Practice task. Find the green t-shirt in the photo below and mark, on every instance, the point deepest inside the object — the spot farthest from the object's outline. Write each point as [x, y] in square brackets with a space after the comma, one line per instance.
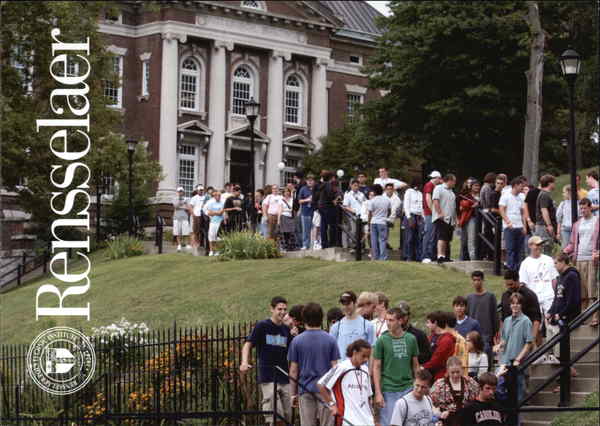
[396, 356]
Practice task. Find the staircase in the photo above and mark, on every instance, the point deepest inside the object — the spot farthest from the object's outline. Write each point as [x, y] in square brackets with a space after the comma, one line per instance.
[581, 386]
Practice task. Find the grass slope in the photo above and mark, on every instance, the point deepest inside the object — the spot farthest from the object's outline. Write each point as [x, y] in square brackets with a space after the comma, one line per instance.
[197, 291]
[583, 418]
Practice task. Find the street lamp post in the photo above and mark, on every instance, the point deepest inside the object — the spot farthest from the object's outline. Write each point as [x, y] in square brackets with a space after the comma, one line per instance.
[131, 143]
[251, 109]
[570, 63]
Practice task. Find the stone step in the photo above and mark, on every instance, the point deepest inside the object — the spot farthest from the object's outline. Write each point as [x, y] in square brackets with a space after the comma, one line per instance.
[549, 399]
[585, 331]
[537, 417]
[578, 384]
[587, 370]
[536, 422]
[579, 343]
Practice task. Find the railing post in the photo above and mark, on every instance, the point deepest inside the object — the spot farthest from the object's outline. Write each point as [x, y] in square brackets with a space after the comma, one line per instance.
[24, 260]
[512, 386]
[19, 271]
[498, 246]
[17, 404]
[274, 397]
[565, 360]
[359, 248]
[214, 396]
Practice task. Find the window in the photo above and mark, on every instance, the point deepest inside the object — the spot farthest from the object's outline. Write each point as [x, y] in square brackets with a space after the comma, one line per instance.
[112, 88]
[242, 89]
[293, 100]
[72, 69]
[108, 185]
[189, 88]
[145, 78]
[356, 59]
[187, 168]
[353, 101]
[252, 4]
[19, 54]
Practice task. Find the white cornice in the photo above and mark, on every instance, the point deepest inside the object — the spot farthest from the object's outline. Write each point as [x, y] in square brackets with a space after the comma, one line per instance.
[145, 56]
[238, 35]
[346, 68]
[121, 51]
[355, 88]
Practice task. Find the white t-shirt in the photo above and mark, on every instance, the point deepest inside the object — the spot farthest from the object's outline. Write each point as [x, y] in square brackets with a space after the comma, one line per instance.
[380, 327]
[379, 207]
[413, 202]
[384, 181]
[514, 206]
[409, 411]
[537, 274]
[354, 200]
[286, 206]
[273, 202]
[197, 203]
[351, 388]
[585, 230]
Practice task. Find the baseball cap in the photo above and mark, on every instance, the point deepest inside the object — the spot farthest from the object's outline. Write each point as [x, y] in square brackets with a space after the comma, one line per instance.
[348, 296]
[199, 187]
[180, 189]
[535, 240]
[435, 174]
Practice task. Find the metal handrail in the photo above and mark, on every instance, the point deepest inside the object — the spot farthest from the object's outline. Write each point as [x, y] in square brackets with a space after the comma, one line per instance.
[496, 245]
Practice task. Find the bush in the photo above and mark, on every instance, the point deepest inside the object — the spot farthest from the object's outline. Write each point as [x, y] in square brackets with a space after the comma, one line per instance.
[247, 245]
[124, 246]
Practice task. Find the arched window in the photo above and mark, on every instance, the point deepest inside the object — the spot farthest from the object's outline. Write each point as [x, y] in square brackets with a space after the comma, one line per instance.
[243, 89]
[293, 100]
[189, 88]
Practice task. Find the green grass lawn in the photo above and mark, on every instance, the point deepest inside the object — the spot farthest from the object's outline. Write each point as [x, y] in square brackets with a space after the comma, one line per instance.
[583, 418]
[196, 291]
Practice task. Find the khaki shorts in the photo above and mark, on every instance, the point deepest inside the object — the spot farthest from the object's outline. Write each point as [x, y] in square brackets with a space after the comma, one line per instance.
[589, 283]
[284, 403]
[311, 410]
[181, 228]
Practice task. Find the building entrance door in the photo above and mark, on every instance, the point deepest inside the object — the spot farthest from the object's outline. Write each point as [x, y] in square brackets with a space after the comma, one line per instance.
[240, 169]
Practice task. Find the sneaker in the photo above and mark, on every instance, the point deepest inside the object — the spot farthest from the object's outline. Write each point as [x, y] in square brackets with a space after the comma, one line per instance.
[211, 253]
[179, 247]
[426, 260]
[188, 247]
[216, 253]
[441, 260]
[541, 360]
[551, 359]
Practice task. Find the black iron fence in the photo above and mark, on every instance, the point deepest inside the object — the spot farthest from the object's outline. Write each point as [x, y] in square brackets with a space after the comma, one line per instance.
[160, 377]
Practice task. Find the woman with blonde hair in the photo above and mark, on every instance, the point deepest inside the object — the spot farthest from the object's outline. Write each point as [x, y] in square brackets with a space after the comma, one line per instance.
[451, 393]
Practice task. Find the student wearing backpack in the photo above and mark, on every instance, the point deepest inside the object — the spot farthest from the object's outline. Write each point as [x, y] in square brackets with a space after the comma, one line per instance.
[353, 326]
[416, 408]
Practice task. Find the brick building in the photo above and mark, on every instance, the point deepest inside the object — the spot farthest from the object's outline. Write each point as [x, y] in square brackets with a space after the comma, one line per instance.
[188, 68]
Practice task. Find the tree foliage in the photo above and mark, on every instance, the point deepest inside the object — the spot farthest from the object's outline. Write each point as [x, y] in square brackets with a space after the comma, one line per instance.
[26, 88]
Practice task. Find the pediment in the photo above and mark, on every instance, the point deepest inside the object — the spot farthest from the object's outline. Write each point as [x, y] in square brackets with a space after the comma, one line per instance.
[194, 126]
[299, 141]
[243, 132]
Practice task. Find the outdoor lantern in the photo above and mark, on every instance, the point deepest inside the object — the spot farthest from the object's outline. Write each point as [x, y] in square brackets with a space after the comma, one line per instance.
[570, 62]
[281, 165]
[340, 173]
[251, 108]
[131, 143]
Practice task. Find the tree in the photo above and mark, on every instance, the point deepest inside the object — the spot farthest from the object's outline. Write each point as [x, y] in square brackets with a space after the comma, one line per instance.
[26, 158]
[535, 77]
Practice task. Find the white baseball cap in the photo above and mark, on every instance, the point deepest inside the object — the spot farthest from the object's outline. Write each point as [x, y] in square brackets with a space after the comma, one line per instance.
[199, 187]
[180, 189]
[435, 174]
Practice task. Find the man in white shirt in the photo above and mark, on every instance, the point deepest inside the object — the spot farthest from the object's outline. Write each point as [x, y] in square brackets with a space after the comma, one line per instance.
[352, 204]
[539, 274]
[414, 222]
[384, 179]
[197, 203]
[396, 203]
[416, 408]
[379, 211]
[513, 219]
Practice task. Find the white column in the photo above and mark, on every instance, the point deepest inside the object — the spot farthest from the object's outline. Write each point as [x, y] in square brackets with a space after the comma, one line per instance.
[319, 102]
[167, 154]
[275, 115]
[216, 114]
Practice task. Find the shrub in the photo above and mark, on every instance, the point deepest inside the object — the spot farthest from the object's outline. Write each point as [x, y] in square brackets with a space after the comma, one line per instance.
[247, 245]
[124, 246]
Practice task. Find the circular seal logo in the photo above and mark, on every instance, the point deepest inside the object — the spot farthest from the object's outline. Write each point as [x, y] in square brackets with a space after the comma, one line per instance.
[61, 360]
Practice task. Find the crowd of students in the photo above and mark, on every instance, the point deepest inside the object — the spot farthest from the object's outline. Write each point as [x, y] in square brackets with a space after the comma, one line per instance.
[374, 367]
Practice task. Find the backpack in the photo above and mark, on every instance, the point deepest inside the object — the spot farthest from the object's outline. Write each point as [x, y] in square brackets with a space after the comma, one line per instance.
[406, 411]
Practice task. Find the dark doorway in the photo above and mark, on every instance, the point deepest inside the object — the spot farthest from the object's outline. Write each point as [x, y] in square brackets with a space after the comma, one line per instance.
[240, 169]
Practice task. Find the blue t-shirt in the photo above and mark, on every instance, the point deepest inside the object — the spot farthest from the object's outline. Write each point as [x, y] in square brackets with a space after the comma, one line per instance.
[468, 325]
[594, 197]
[215, 206]
[348, 331]
[271, 342]
[313, 350]
[306, 209]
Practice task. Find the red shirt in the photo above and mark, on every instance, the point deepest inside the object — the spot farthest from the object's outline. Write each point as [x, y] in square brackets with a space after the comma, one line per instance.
[427, 189]
[444, 349]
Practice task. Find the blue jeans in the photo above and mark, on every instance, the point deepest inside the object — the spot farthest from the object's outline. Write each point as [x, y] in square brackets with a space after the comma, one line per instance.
[306, 222]
[390, 399]
[379, 238]
[514, 247]
[413, 247]
[429, 240]
[565, 236]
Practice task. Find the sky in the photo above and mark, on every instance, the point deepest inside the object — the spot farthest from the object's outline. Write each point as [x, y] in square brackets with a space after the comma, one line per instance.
[381, 6]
